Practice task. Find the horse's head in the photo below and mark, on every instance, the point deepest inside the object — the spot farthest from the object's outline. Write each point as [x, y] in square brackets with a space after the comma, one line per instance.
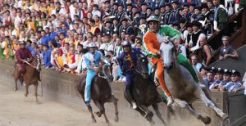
[168, 54]
[106, 69]
[142, 65]
[36, 63]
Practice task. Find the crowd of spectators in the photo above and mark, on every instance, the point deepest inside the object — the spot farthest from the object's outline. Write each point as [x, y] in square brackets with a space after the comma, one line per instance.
[218, 79]
[60, 30]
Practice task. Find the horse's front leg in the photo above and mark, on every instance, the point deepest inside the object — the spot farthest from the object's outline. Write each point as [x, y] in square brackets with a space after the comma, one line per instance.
[101, 108]
[91, 111]
[211, 105]
[36, 92]
[27, 89]
[148, 113]
[158, 113]
[184, 104]
[16, 87]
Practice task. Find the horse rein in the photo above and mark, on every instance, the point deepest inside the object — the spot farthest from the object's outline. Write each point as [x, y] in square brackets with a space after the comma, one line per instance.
[35, 67]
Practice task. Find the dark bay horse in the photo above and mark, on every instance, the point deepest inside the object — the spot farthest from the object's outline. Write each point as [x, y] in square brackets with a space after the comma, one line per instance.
[100, 94]
[144, 91]
[31, 76]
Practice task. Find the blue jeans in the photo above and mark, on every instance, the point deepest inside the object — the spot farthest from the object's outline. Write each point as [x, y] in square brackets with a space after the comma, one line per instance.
[89, 77]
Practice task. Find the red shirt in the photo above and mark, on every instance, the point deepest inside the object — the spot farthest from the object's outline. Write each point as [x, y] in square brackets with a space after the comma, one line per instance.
[22, 54]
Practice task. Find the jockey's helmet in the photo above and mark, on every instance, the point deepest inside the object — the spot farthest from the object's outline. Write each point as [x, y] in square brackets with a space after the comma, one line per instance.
[153, 18]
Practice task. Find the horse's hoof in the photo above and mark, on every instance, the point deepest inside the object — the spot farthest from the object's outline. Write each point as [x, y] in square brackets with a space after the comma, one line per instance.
[149, 116]
[116, 119]
[94, 121]
[206, 120]
[99, 114]
[108, 124]
[224, 116]
[38, 102]
[152, 122]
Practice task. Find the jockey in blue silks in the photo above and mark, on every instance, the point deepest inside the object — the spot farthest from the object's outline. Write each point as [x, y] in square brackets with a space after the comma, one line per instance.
[92, 61]
[127, 61]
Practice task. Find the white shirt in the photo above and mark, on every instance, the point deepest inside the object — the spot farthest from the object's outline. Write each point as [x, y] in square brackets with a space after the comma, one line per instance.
[17, 21]
[96, 13]
[72, 11]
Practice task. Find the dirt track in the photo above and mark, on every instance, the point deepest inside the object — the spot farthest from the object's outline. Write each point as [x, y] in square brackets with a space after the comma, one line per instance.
[16, 110]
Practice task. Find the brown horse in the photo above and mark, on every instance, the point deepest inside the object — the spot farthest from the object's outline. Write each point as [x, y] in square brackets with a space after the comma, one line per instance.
[100, 94]
[30, 77]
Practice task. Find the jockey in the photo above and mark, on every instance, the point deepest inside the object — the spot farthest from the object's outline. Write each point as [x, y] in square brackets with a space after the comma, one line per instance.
[22, 55]
[127, 62]
[152, 40]
[92, 61]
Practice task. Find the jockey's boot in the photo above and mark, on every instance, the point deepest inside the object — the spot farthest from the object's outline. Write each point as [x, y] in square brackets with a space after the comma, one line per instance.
[170, 100]
[134, 105]
[129, 95]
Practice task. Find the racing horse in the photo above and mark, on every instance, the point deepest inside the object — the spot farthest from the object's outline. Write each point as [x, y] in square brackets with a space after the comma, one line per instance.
[31, 76]
[182, 86]
[144, 91]
[100, 93]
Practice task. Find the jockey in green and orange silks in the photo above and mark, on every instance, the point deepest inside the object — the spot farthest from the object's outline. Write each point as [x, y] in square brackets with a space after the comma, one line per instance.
[152, 40]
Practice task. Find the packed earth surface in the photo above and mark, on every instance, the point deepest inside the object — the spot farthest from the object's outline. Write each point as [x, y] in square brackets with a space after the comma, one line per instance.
[17, 110]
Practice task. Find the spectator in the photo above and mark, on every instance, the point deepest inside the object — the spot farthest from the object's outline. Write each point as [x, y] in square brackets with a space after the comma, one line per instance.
[209, 79]
[194, 62]
[226, 51]
[217, 79]
[174, 16]
[226, 78]
[220, 16]
[196, 36]
[235, 84]
[47, 56]
[180, 47]
[205, 51]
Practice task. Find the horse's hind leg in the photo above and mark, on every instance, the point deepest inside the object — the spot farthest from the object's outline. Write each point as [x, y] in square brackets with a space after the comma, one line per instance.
[36, 92]
[16, 87]
[184, 104]
[148, 113]
[211, 105]
[92, 115]
[27, 91]
[156, 109]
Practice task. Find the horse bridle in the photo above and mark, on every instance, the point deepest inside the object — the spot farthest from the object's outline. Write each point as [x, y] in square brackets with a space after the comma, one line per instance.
[35, 67]
[136, 70]
[173, 64]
